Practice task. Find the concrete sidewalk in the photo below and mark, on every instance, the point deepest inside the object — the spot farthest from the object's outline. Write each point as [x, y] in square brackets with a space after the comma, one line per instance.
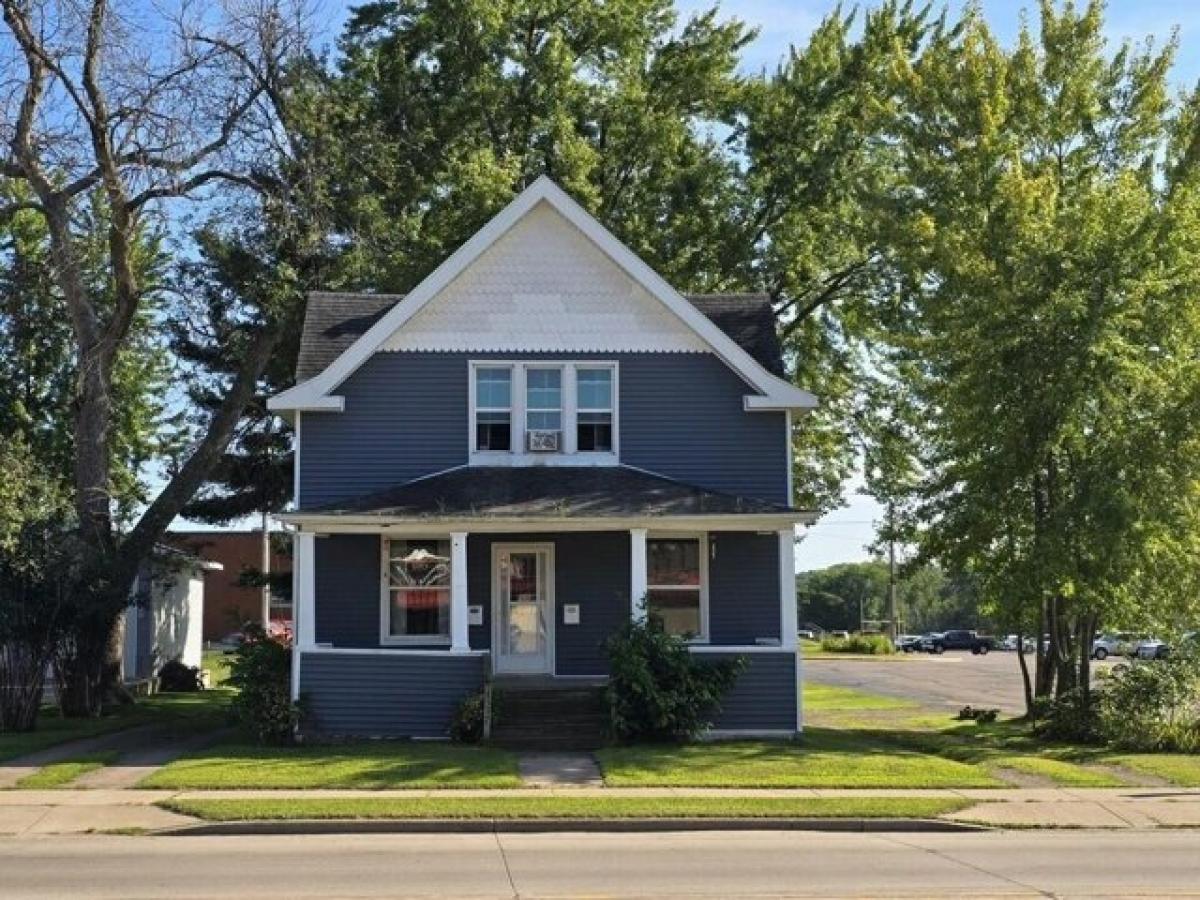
[67, 811]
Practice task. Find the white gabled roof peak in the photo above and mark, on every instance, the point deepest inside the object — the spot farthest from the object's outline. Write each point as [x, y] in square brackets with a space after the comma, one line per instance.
[317, 392]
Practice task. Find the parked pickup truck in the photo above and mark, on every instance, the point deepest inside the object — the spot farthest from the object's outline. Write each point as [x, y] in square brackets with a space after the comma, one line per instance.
[959, 640]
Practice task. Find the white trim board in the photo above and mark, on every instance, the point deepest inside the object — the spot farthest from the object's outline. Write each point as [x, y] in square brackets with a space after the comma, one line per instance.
[774, 393]
[360, 523]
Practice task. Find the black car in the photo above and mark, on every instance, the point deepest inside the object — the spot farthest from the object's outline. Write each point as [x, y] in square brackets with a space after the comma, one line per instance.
[959, 639]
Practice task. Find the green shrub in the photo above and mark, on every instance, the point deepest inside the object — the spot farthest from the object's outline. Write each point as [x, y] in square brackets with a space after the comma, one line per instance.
[1073, 716]
[262, 673]
[657, 690]
[866, 644]
[466, 726]
[1153, 705]
[176, 678]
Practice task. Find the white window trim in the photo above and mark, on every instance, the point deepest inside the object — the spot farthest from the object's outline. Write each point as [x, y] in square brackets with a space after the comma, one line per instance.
[568, 455]
[703, 637]
[386, 638]
[476, 409]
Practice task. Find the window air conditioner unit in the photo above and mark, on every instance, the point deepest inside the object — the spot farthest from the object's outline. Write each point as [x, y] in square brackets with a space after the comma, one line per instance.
[540, 441]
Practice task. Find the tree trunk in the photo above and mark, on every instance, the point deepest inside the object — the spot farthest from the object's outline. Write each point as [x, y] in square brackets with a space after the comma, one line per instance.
[1026, 683]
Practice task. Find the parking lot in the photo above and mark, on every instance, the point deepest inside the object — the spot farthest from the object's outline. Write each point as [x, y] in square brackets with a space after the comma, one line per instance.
[949, 681]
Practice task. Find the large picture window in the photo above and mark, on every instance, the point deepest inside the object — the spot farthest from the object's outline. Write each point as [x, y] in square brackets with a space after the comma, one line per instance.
[418, 591]
[493, 408]
[675, 584]
[594, 415]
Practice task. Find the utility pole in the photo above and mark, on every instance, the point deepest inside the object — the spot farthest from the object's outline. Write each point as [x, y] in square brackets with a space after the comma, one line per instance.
[893, 625]
[266, 572]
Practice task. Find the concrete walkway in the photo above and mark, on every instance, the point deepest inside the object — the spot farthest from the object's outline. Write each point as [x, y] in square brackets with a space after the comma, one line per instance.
[121, 742]
[550, 770]
[74, 811]
[130, 768]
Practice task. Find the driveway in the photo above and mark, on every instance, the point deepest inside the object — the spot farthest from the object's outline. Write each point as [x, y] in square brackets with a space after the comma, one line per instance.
[950, 681]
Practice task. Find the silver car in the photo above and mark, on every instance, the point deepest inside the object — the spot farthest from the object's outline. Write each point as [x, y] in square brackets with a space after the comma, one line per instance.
[1119, 643]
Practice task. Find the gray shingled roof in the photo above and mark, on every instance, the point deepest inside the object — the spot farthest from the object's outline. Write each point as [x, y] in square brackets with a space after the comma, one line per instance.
[333, 322]
[531, 492]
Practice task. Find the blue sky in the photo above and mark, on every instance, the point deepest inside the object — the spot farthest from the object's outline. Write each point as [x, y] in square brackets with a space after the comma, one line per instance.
[843, 535]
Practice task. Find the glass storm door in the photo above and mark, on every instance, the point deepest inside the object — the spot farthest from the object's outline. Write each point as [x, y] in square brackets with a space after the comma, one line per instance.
[523, 579]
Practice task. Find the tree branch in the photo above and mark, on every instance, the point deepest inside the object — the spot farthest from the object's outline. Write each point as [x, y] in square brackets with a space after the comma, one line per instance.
[183, 486]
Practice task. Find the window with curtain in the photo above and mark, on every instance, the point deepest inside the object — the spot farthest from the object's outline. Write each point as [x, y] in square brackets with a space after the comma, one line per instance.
[418, 590]
[674, 591]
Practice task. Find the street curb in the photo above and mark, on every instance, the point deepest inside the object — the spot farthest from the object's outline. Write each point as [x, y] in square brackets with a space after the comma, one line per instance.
[543, 826]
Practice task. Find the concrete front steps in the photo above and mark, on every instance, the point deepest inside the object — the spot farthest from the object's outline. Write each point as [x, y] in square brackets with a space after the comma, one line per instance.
[533, 716]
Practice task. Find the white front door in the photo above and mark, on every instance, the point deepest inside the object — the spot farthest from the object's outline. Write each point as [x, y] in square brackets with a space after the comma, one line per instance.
[523, 608]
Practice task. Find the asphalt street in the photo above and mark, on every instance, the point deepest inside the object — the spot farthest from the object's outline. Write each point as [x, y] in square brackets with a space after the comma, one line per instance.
[708, 864]
[951, 680]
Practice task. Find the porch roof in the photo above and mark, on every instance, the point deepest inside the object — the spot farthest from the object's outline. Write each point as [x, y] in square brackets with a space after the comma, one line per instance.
[547, 492]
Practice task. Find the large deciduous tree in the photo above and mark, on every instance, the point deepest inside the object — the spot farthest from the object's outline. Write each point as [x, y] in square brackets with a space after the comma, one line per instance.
[722, 181]
[1048, 231]
[141, 108]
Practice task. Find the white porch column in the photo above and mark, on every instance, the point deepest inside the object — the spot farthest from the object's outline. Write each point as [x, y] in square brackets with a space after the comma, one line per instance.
[459, 640]
[788, 626]
[304, 605]
[637, 573]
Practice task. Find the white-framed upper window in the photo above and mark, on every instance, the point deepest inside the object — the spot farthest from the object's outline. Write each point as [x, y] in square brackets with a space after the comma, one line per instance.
[416, 591]
[677, 583]
[493, 408]
[543, 407]
[594, 409]
[548, 412]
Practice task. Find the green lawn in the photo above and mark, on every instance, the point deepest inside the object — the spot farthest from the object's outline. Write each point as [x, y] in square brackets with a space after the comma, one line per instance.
[218, 663]
[827, 697]
[822, 758]
[61, 774]
[182, 712]
[1059, 771]
[1182, 769]
[558, 807]
[372, 765]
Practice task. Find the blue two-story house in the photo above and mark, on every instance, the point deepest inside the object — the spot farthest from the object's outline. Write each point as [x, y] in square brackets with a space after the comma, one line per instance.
[540, 441]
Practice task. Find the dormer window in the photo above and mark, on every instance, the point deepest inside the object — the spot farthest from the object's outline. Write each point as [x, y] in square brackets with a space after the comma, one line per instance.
[493, 408]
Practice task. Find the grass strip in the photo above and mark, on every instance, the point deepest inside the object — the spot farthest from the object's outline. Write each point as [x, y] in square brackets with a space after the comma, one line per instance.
[567, 807]
[1066, 774]
[373, 766]
[824, 697]
[61, 774]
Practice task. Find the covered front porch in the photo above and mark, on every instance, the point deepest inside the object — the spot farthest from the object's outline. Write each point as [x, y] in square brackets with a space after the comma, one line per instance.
[399, 616]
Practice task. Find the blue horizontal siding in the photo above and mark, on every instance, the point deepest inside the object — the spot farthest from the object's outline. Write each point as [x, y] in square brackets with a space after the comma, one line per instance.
[743, 587]
[348, 588]
[406, 415]
[763, 698]
[385, 695]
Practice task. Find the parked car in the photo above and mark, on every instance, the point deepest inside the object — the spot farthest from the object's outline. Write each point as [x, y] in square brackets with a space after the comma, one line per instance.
[806, 634]
[1153, 648]
[1119, 643]
[844, 635]
[908, 643]
[960, 639]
